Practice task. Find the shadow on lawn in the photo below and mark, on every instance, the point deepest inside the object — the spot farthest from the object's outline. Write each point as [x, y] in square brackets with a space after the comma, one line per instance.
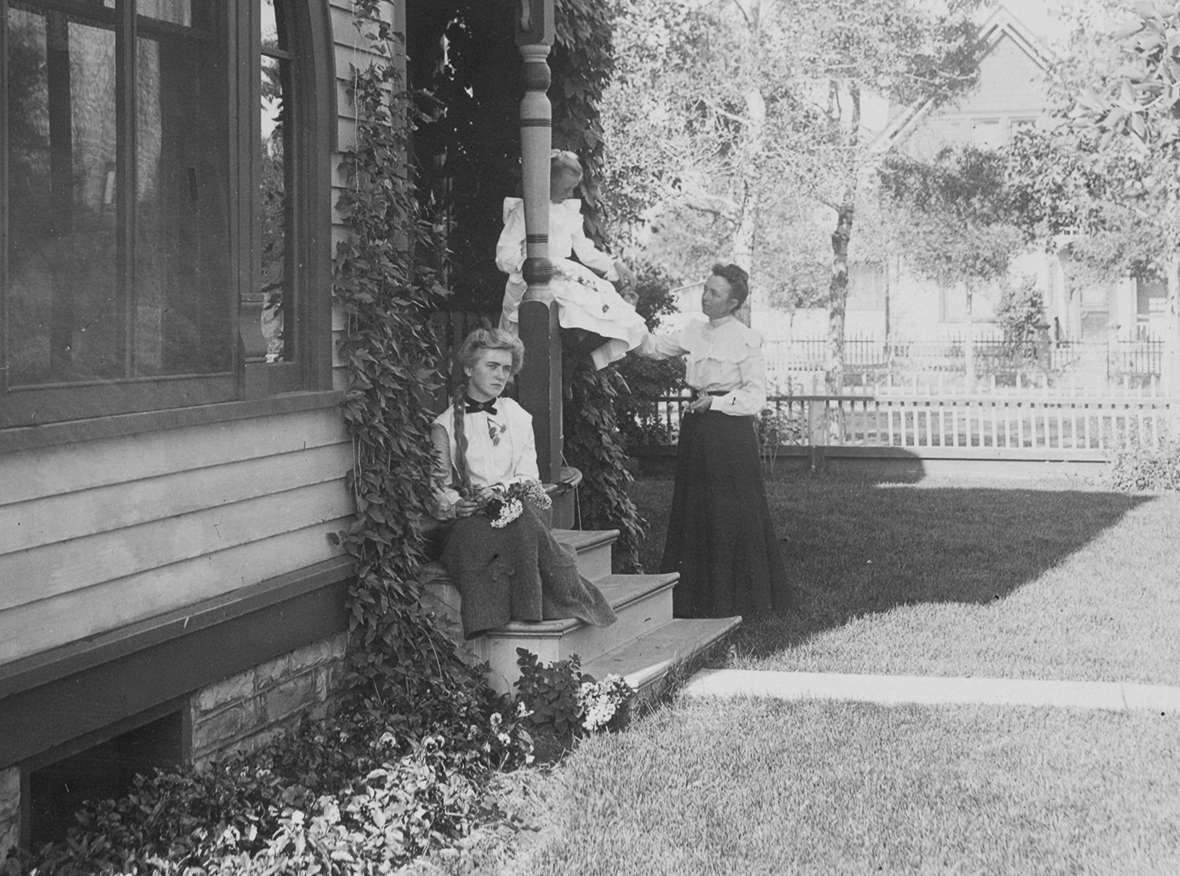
[854, 545]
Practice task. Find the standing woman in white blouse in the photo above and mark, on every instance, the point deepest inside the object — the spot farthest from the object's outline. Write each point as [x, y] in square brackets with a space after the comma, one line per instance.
[518, 572]
[720, 536]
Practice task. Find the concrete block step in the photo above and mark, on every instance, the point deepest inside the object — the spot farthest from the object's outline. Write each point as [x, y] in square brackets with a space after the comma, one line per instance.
[643, 604]
[675, 648]
[593, 547]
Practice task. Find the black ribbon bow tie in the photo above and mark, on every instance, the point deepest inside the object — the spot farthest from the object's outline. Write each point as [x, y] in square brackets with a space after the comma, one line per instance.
[473, 406]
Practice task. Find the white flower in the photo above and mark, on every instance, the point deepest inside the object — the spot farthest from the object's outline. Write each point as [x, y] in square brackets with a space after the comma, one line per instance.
[509, 511]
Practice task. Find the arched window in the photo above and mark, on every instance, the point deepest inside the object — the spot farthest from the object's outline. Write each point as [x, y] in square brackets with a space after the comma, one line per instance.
[166, 169]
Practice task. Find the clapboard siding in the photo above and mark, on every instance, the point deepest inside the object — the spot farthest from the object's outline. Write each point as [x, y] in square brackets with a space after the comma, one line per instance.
[59, 568]
[108, 532]
[34, 474]
[75, 515]
[49, 623]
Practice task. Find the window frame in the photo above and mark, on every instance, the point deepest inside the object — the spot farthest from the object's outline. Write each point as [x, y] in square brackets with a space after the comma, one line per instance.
[312, 124]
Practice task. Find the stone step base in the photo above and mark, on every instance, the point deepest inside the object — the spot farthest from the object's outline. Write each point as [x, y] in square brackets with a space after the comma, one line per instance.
[672, 651]
[643, 604]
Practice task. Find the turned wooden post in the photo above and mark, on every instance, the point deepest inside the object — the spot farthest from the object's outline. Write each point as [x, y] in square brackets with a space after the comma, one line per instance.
[540, 381]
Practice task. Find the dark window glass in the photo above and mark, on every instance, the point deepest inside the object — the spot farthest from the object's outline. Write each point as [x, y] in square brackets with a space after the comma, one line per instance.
[63, 284]
[153, 249]
[267, 312]
[182, 312]
[118, 260]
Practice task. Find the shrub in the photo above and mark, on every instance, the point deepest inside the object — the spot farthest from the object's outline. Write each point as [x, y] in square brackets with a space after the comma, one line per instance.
[560, 703]
[1146, 469]
[360, 792]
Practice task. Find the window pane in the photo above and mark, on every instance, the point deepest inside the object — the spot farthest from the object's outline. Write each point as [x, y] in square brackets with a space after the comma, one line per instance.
[265, 324]
[273, 34]
[173, 11]
[182, 320]
[63, 298]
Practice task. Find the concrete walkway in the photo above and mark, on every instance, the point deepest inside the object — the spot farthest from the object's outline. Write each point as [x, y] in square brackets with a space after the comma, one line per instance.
[898, 689]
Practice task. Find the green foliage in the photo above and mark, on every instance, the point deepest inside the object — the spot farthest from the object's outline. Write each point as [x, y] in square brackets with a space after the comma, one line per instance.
[559, 703]
[387, 292]
[593, 445]
[1118, 98]
[549, 695]
[648, 379]
[958, 225]
[1137, 468]
[357, 793]
[1021, 315]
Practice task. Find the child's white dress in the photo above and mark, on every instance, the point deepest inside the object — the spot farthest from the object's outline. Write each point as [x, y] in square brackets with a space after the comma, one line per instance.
[585, 300]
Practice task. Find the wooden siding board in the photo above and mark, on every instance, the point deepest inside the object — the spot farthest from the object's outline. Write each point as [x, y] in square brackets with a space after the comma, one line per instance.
[55, 569]
[39, 522]
[33, 474]
[49, 623]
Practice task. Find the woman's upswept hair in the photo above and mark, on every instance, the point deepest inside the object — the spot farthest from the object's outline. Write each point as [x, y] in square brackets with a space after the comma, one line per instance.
[490, 339]
[737, 278]
[564, 161]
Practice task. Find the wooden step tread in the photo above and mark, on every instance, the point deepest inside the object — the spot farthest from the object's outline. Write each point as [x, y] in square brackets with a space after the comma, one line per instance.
[581, 540]
[620, 591]
[649, 658]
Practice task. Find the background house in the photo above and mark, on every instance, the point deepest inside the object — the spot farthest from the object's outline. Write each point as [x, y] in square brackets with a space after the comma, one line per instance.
[889, 300]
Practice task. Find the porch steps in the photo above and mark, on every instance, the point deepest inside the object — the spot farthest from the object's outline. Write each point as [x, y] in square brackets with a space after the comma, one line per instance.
[644, 645]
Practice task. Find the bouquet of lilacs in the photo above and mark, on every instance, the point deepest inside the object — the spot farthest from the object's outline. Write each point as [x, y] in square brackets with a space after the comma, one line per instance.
[503, 503]
[603, 704]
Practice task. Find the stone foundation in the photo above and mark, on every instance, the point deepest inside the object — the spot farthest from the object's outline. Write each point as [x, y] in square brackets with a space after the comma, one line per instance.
[9, 810]
[244, 711]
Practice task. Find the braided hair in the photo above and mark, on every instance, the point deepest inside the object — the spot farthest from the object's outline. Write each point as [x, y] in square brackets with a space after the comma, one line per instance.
[468, 354]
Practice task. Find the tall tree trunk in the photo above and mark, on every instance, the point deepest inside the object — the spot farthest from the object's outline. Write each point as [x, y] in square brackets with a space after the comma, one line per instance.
[969, 341]
[753, 143]
[849, 121]
[838, 297]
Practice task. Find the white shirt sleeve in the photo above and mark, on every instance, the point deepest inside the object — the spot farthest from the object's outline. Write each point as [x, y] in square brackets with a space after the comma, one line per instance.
[666, 346]
[510, 250]
[526, 460]
[443, 497]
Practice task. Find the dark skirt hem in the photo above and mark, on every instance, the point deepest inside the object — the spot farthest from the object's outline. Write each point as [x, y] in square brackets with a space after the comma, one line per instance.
[720, 536]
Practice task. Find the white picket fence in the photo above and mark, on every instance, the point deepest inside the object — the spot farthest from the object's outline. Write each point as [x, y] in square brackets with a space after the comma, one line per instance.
[981, 426]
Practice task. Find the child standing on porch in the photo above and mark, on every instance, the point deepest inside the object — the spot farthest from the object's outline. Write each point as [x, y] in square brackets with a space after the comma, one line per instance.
[584, 289]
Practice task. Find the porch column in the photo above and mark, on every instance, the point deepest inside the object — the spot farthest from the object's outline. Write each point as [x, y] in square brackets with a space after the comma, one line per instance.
[540, 381]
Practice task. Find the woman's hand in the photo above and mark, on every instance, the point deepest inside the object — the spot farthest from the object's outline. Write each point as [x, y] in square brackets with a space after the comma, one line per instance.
[701, 405]
[626, 275]
[465, 507]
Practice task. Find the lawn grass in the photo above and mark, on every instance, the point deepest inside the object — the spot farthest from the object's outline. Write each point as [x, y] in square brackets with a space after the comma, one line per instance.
[955, 577]
[745, 787]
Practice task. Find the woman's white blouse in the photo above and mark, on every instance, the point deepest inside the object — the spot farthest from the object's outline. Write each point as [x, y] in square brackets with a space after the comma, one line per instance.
[723, 355]
[567, 236]
[500, 449]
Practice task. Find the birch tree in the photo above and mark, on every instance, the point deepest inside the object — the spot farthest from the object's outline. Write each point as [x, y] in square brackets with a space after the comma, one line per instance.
[739, 116]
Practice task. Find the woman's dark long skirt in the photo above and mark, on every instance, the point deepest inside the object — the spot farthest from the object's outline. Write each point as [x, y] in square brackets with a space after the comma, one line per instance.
[519, 572]
[720, 536]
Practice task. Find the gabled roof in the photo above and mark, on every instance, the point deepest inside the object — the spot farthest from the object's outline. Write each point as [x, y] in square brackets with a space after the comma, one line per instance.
[999, 24]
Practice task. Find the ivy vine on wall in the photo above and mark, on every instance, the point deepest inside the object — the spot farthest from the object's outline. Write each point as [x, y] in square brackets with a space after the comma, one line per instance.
[387, 290]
